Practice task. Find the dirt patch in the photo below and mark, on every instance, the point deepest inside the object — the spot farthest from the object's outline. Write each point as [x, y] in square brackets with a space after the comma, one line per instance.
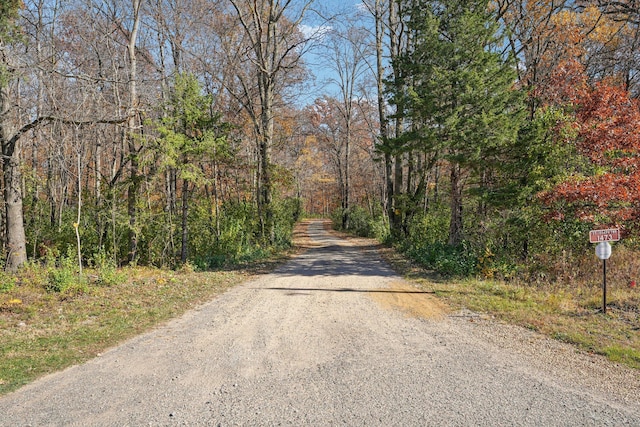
[402, 296]
[411, 301]
[301, 239]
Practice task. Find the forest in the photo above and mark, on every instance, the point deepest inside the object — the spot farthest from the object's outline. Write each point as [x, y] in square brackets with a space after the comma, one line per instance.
[480, 138]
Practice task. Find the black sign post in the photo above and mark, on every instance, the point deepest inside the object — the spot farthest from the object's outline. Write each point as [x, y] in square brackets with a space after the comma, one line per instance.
[604, 286]
[603, 251]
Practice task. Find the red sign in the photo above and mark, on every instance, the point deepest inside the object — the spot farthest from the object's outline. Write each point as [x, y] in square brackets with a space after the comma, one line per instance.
[609, 235]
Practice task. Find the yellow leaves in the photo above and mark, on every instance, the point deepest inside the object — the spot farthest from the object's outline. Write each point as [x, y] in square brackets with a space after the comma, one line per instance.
[590, 25]
[11, 304]
[603, 29]
[486, 263]
[552, 34]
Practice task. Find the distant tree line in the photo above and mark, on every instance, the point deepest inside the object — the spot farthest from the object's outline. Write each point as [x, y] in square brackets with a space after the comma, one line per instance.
[478, 136]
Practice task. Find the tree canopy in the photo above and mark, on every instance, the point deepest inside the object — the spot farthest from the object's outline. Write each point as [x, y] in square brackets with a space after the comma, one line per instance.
[169, 132]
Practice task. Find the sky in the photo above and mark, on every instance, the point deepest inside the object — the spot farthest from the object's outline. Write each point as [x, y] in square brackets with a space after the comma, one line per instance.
[318, 65]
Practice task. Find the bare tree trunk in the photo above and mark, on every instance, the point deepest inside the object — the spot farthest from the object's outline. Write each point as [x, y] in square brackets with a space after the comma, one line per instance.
[15, 239]
[455, 224]
[76, 225]
[134, 151]
[396, 46]
[16, 242]
[345, 208]
[377, 10]
[185, 218]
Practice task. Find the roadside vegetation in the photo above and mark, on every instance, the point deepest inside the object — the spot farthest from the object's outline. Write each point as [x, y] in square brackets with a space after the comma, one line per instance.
[558, 295]
[480, 156]
[53, 317]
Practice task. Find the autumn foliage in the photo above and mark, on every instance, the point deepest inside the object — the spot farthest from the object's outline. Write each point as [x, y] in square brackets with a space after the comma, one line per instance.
[605, 123]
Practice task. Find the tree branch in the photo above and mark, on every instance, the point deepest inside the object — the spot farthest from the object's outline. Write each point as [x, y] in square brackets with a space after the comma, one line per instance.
[11, 144]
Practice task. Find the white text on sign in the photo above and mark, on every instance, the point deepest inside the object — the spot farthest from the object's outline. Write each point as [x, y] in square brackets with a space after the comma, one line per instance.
[608, 235]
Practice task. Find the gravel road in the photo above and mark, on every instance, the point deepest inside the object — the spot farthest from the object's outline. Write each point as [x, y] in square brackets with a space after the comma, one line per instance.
[333, 337]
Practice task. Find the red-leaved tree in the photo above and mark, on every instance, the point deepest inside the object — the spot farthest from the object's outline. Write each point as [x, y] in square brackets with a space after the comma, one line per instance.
[605, 128]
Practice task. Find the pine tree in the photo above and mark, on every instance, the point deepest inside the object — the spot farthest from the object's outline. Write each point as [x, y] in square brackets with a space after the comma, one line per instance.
[460, 98]
[191, 135]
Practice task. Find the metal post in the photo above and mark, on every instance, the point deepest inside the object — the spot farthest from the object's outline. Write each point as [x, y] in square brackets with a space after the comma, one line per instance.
[604, 285]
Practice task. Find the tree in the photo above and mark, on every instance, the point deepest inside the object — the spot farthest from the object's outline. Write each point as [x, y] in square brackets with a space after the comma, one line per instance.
[460, 97]
[348, 53]
[16, 245]
[191, 135]
[273, 50]
[133, 127]
[604, 125]
[378, 10]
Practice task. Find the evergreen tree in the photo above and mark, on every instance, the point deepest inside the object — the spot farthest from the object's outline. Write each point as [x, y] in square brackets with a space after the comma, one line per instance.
[460, 98]
[191, 135]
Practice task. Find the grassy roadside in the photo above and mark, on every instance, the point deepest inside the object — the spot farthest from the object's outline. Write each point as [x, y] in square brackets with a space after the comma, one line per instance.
[43, 332]
[567, 313]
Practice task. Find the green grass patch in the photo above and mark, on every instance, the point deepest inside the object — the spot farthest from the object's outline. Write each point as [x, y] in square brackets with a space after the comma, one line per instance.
[44, 331]
[625, 355]
[566, 311]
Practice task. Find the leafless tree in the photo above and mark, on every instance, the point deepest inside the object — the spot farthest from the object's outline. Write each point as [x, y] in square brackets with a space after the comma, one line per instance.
[271, 50]
[348, 50]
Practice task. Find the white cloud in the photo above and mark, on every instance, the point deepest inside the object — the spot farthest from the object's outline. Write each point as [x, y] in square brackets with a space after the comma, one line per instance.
[315, 32]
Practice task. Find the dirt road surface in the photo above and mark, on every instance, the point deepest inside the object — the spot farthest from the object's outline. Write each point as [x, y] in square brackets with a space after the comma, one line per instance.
[333, 337]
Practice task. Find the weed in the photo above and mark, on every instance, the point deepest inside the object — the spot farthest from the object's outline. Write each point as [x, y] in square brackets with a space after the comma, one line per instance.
[7, 282]
[63, 276]
[107, 272]
[628, 356]
[110, 276]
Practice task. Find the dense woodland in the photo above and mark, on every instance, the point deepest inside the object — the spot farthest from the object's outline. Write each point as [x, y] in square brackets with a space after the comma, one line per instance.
[480, 138]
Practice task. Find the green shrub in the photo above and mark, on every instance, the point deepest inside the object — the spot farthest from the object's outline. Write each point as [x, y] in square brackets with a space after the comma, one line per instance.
[66, 281]
[426, 244]
[108, 273]
[63, 277]
[7, 282]
[208, 262]
[60, 279]
[110, 276]
[362, 223]
[450, 261]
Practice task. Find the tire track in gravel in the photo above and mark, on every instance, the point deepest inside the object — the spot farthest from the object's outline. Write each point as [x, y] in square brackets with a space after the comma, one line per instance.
[333, 337]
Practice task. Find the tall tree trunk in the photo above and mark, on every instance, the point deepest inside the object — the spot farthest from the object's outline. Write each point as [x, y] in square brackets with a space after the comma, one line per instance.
[455, 224]
[134, 151]
[345, 196]
[398, 179]
[15, 239]
[396, 31]
[378, 14]
[185, 218]
[267, 88]
[16, 242]
[388, 172]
